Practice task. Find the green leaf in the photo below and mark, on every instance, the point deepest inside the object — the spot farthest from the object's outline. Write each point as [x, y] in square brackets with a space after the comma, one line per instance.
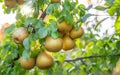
[9, 58]
[34, 36]
[42, 32]
[109, 2]
[69, 18]
[112, 10]
[26, 54]
[30, 21]
[66, 5]
[72, 5]
[100, 22]
[118, 44]
[71, 69]
[8, 70]
[39, 24]
[82, 10]
[50, 9]
[117, 25]
[35, 53]
[68, 66]
[55, 35]
[89, 7]
[1, 0]
[60, 19]
[81, 6]
[100, 8]
[53, 26]
[85, 17]
[61, 58]
[10, 29]
[99, 43]
[26, 43]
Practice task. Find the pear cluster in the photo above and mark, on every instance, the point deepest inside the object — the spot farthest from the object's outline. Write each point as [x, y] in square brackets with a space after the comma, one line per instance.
[67, 41]
[44, 60]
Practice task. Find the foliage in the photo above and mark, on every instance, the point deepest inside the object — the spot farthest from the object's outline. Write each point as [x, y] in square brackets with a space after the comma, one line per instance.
[104, 51]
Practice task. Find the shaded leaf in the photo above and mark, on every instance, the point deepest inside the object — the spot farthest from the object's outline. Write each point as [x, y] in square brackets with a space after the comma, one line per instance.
[26, 43]
[109, 2]
[39, 24]
[55, 35]
[26, 54]
[100, 8]
[9, 29]
[69, 18]
[61, 58]
[112, 11]
[85, 17]
[42, 32]
[50, 9]
[30, 21]
[117, 25]
[118, 44]
[100, 23]
[53, 26]
[89, 7]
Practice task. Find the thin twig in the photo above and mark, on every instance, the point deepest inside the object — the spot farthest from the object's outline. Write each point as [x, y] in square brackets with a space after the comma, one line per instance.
[101, 15]
[83, 62]
[89, 57]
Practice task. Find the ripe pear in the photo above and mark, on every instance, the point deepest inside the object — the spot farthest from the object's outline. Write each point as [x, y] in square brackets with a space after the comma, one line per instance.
[44, 60]
[64, 27]
[10, 3]
[20, 1]
[68, 43]
[20, 34]
[76, 33]
[27, 63]
[55, 1]
[53, 45]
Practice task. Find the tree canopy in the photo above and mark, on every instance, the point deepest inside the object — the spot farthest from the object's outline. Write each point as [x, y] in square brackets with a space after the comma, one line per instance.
[54, 37]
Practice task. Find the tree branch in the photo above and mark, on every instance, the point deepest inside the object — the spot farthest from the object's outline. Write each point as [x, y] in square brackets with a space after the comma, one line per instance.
[101, 15]
[14, 59]
[90, 57]
[44, 13]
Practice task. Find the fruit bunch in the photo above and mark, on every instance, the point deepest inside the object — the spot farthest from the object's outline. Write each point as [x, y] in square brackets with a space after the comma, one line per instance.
[67, 41]
[44, 60]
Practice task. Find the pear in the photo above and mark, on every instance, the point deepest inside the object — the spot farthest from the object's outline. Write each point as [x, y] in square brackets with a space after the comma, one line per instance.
[10, 3]
[44, 60]
[20, 34]
[53, 45]
[64, 27]
[76, 33]
[68, 43]
[27, 63]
